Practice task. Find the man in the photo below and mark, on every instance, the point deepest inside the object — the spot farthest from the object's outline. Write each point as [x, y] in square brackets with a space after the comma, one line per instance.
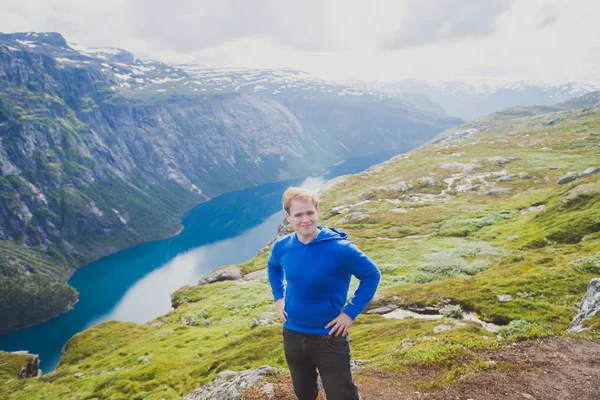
[317, 263]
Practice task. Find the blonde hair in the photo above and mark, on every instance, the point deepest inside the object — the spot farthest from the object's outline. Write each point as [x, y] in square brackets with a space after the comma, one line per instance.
[297, 193]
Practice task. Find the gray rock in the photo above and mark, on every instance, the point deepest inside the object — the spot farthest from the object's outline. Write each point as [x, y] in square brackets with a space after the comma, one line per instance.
[554, 168]
[524, 175]
[427, 181]
[356, 210]
[505, 178]
[254, 323]
[269, 390]
[593, 133]
[590, 171]
[229, 385]
[505, 298]
[382, 310]
[79, 375]
[570, 177]
[442, 328]
[498, 160]
[252, 276]
[398, 211]
[590, 306]
[156, 324]
[498, 191]
[223, 274]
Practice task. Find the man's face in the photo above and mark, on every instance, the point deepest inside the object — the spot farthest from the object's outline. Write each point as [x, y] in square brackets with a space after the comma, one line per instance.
[303, 217]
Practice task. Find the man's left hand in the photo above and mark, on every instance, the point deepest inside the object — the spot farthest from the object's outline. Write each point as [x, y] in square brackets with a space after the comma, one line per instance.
[340, 325]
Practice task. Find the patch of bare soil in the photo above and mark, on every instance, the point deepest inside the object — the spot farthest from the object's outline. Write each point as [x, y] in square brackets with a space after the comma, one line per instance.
[549, 369]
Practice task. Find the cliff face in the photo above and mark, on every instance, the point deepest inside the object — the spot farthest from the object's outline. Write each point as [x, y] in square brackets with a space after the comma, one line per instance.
[99, 151]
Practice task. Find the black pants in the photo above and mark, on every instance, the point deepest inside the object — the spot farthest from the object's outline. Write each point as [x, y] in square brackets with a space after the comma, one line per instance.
[305, 354]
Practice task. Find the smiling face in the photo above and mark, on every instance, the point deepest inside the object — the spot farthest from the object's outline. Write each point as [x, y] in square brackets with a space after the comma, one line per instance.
[304, 216]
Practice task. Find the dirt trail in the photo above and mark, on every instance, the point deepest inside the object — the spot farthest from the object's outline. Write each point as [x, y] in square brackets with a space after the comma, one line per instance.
[556, 368]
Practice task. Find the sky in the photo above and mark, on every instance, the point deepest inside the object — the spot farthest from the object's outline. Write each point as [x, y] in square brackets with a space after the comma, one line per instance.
[371, 40]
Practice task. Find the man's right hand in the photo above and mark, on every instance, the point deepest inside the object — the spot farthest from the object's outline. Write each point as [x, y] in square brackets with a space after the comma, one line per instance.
[279, 305]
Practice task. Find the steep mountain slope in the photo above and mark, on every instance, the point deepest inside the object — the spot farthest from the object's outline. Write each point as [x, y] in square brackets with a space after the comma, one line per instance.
[484, 225]
[100, 151]
[469, 100]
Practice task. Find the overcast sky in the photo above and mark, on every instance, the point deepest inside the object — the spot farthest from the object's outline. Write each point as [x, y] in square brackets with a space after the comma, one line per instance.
[550, 40]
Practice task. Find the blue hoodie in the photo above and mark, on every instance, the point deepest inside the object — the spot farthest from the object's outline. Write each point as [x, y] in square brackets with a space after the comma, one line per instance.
[318, 276]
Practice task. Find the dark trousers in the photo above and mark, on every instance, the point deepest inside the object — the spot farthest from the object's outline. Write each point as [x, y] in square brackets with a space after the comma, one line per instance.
[330, 355]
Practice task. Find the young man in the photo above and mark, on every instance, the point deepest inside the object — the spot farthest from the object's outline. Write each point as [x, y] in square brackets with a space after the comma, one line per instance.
[317, 263]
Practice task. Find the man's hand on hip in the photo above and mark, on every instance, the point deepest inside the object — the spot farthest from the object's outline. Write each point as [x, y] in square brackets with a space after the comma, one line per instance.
[340, 325]
[279, 305]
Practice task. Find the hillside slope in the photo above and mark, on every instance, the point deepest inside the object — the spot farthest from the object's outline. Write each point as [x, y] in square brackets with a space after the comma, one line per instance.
[477, 220]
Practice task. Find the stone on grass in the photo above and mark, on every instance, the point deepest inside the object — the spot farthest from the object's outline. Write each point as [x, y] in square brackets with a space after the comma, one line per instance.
[398, 211]
[590, 171]
[442, 328]
[230, 385]
[570, 177]
[498, 160]
[79, 375]
[223, 274]
[505, 298]
[505, 178]
[254, 323]
[381, 310]
[590, 306]
[524, 175]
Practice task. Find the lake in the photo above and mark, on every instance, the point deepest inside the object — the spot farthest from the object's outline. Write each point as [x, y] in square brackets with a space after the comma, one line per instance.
[136, 284]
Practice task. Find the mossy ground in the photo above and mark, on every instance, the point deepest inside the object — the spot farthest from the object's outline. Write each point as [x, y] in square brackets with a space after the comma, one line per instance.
[459, 242]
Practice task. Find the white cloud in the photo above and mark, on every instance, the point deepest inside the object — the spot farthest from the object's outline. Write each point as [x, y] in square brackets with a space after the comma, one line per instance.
[336, 39]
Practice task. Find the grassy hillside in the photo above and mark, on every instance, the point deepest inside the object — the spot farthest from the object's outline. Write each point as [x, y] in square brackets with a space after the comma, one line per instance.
[475, 215]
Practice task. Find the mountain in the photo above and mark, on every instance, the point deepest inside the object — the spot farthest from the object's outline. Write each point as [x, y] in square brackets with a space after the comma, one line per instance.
[470, 100]
[581, 101]
[487, 238]
[100, 151]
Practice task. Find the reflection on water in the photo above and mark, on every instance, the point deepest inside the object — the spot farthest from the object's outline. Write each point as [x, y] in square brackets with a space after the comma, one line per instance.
[136, 284]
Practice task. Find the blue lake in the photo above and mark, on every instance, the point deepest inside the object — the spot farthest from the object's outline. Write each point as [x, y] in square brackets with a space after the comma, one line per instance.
[136, 284]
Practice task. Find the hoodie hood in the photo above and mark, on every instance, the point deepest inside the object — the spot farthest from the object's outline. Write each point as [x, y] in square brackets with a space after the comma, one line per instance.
[326, 234]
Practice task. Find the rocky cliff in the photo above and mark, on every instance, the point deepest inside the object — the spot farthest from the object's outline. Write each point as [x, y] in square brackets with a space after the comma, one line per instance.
[100, 150]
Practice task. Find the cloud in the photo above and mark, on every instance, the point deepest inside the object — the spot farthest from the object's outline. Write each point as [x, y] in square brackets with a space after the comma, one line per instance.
[548, 16]
[433, 21]
[197, 25]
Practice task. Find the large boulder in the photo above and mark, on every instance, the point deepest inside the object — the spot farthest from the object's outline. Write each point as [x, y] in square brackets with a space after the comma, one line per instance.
[222, 274]
[590, 306]
[229, 385]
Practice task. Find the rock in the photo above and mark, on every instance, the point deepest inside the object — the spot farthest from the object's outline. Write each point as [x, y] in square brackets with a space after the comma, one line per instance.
[269, 390]
[256, 275]
[590, 306]
[226, 333]
[382, 310]
[498, 160]
[570, 177]
[505, 298]
[527, 396]
[398, 211]
[254, 323]
[144, 359]
[427, 181]
[590, 171]
[222, 274]
[156, 324]
[524, 175]
[229, 385]
[505, 178]
[498, 191]
[79, 375]
[32, 368]
[356, 210]
[441, 328]
[533, 209]
[593, 133]
[554, 168]
[464, 167]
